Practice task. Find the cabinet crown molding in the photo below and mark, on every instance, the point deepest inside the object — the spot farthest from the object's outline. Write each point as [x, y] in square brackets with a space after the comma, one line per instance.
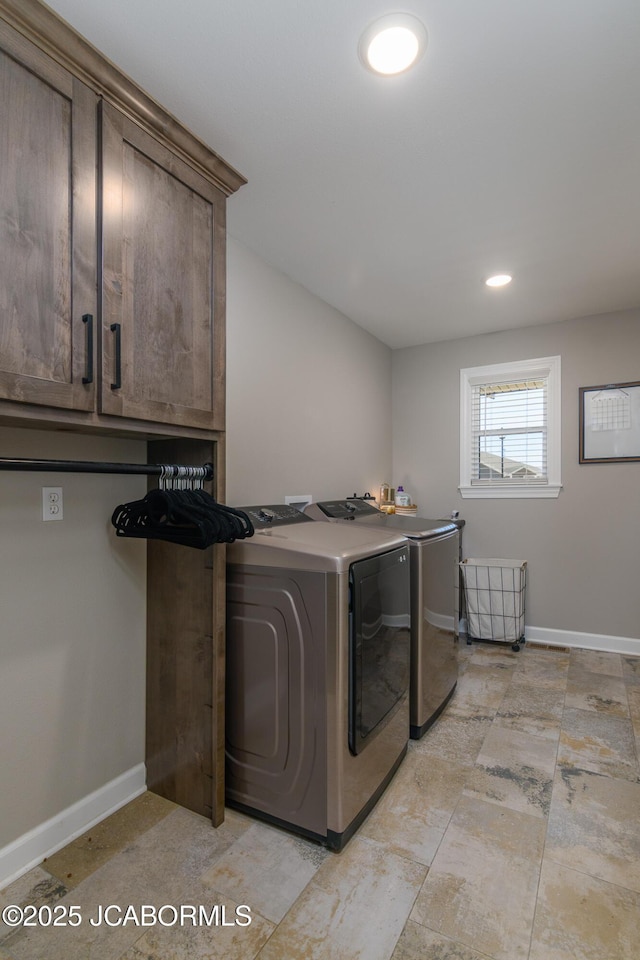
[55, 37]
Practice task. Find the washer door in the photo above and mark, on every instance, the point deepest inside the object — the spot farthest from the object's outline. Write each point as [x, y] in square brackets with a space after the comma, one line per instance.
[379, 643]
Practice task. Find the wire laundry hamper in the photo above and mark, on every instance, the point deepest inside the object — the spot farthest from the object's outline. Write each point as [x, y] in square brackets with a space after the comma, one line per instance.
[494, 593]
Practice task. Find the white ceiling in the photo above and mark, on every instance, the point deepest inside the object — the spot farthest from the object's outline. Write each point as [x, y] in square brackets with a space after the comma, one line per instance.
[513, 146]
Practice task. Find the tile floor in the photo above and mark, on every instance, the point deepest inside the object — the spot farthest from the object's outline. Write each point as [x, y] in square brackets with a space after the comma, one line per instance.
[511, 832]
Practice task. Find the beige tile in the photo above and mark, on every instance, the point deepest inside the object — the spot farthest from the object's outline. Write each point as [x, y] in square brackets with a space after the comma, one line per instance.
[230, 939]
[81, 857]
[514, 769]
[509, 832]
[455, 738]
[479, 692]
[237, 822]
[631, 670]
[597, 661]
[531, 709]
[633, 697]
[465, 652]
[582, 918]
[36, 887]
[597, 742]
[182, 846]
[161, 866]
[481, 887]
[498, 656]
[84, 942]
[542, 668]
[354, 908]
[594, 826]
[480, 827]
[598, 692]
[419, 943]
[266, 868]
[412, 815]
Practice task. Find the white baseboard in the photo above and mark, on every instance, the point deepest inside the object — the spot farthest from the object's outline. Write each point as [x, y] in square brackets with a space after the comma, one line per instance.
[439, 620]
[30, 849]
[587, 641]
[629, 646]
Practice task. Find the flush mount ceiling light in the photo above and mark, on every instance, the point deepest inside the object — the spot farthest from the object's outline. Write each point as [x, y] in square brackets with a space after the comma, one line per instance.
[393, 44]
[500, 280]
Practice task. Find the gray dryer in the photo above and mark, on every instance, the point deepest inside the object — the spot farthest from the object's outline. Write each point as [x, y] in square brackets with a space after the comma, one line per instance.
[317, 688]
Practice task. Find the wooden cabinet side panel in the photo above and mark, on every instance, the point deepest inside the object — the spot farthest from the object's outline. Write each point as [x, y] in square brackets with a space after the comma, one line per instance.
[185, 661]
[218, 557]
[220, 322]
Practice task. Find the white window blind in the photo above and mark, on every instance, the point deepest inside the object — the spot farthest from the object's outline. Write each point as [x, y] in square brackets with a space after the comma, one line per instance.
[510, 429]
[509, 432]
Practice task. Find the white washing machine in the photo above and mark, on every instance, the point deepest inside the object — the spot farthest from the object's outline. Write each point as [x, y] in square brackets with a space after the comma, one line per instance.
[434, 547]
[317, 687]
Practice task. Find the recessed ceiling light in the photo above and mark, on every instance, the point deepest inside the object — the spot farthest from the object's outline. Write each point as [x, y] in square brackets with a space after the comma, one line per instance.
[393, 44]
[500, 280]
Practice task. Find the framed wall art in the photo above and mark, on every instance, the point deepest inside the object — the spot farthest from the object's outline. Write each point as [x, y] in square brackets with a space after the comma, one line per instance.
[610, 423]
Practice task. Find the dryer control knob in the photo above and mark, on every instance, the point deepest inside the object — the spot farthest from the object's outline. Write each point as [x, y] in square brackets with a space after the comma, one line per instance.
[266, 515]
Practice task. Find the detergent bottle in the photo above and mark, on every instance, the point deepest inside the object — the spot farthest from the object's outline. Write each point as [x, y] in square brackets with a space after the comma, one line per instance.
[402, 497]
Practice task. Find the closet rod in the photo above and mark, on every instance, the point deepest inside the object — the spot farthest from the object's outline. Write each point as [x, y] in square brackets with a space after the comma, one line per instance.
[94, 466]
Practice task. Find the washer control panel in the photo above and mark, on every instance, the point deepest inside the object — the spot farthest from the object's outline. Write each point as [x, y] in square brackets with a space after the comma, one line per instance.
[275, 515]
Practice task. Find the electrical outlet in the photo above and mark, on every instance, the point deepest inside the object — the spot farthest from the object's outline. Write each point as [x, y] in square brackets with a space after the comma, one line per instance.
[52, 503]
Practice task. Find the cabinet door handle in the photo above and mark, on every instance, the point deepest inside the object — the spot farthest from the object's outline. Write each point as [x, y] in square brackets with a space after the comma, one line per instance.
[115, 327]
[88, 319]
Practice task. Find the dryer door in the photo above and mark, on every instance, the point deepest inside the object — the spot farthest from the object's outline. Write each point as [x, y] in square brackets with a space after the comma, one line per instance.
[379, 641]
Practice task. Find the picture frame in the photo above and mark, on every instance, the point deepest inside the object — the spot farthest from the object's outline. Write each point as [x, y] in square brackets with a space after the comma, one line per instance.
[610, 423]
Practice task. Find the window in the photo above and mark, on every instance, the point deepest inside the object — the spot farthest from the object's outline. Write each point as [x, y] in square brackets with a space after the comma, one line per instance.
[510, 429]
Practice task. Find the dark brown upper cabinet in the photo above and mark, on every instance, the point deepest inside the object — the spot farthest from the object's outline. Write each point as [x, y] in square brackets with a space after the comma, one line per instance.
[163, 233]
[112, 244]
[47, 230]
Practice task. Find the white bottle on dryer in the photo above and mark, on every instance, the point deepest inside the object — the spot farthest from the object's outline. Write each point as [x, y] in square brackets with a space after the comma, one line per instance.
[402, 498]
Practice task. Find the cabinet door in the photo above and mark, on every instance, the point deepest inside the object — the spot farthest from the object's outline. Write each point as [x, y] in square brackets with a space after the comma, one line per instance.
[47, 229]
[163, 231]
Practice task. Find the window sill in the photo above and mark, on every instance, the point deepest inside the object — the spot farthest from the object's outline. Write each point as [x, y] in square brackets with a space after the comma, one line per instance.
[511, 491]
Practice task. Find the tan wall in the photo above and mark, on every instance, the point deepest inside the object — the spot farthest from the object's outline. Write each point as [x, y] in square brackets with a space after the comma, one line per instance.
[309, 392]
[583, 549]
[72, 632]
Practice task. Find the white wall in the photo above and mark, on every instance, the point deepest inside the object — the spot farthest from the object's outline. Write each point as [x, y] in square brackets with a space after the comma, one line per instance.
[308, 392]
[72, 635]
[583, 549]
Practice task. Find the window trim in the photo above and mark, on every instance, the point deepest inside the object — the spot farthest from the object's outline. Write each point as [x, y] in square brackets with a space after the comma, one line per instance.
[547, 367]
